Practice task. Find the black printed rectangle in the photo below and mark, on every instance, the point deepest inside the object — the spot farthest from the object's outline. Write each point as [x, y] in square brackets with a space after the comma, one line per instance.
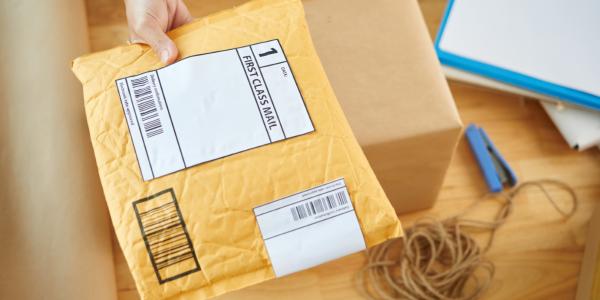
[167, 240]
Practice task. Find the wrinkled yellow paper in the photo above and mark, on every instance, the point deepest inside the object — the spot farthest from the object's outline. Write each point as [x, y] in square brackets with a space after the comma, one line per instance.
[216, 198]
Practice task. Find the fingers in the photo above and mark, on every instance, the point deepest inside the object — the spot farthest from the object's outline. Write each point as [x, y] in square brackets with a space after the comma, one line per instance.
[182, 15]
[149, 20]
[155, 37]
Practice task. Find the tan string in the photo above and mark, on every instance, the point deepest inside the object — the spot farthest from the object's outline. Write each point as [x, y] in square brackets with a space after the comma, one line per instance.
[439, 260]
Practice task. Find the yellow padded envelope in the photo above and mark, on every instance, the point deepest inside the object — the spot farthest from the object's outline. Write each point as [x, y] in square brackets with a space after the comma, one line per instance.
[211, 242]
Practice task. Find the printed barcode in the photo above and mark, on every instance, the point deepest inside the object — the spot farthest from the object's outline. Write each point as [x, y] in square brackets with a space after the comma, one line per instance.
[320, 205]
[165, 235]
[146, 103]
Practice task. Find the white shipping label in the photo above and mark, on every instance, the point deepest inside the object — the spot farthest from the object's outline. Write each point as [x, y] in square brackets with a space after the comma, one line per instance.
[310, 228]
[212, 105]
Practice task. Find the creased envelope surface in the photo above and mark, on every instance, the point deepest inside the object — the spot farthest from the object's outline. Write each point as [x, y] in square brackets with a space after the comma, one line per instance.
[215, 199]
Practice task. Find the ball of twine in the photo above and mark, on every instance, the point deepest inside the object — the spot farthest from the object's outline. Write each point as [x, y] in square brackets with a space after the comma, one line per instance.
[439, 260]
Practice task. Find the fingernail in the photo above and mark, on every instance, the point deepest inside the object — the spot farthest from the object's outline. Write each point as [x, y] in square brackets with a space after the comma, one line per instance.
[164, 55]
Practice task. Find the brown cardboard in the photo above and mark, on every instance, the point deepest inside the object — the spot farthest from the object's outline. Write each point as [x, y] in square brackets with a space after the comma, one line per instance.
[54, 227]
[381, 63]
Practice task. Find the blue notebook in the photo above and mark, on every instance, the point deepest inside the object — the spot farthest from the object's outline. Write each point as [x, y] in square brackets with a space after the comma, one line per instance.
[547, 47]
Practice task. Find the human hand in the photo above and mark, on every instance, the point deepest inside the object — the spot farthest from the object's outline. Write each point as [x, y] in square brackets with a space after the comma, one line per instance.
[148, 21]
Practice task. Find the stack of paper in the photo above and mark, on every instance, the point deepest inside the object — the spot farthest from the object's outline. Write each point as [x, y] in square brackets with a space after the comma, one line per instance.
[536, 48]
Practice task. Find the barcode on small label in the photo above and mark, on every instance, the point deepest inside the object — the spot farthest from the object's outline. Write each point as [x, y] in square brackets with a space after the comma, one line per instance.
[165, 235]
[145, 101]
[322, 226]
[318, 206]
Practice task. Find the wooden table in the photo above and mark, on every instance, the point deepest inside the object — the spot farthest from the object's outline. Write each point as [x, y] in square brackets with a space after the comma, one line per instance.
[537, 254]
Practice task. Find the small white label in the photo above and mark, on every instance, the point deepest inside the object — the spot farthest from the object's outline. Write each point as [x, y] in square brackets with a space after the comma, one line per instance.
[212, 105]
[309, 228]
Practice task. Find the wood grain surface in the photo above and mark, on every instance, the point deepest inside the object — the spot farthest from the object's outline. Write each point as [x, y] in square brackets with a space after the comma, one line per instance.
[536, 253]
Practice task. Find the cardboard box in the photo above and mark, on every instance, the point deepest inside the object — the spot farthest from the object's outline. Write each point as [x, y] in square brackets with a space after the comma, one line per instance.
[384, 71]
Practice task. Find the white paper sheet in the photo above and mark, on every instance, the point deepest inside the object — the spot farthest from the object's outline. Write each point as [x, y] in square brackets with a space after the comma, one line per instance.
[212, 105]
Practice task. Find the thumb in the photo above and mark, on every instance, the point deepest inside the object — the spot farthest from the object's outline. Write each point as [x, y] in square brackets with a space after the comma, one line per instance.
[156, 38]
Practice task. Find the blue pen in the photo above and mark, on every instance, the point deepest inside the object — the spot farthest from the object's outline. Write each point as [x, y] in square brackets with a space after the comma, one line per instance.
[495, 169]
